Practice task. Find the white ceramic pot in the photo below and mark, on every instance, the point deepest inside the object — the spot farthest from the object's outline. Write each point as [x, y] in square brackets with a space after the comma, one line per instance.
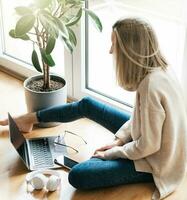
[39, 100]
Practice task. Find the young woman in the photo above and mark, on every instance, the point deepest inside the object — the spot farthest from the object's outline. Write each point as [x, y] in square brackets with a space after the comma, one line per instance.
[151, 145]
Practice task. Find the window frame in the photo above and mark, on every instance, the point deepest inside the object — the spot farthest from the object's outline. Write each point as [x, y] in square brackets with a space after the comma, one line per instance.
[79, 72]
[79, 69]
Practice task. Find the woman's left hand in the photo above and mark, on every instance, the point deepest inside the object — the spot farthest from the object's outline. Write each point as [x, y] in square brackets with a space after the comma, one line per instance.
[99, 154]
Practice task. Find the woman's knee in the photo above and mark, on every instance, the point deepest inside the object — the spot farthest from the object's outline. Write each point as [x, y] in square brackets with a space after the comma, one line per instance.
[84, 105]
[84, 175]
[86, 100]
[73, 178]
[77, 177]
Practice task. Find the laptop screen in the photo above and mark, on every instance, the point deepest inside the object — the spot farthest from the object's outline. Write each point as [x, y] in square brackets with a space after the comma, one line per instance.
[16, 138]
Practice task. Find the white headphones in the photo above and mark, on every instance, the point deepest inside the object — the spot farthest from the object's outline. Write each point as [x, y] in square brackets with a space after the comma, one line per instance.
[47, 179]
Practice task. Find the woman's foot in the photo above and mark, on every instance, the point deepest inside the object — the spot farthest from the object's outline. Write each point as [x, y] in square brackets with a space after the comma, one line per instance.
[24, 122]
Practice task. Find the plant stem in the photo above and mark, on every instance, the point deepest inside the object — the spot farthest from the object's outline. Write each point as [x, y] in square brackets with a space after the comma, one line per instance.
[42, 45]
[46, 79]
[31, 33]
[38, 37]
[48, 84]
[34, 42]
[65, 11]
[46, 67]
[57, 10]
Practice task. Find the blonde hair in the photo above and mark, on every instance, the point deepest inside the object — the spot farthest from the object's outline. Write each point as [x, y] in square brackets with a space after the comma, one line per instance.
[136, 51]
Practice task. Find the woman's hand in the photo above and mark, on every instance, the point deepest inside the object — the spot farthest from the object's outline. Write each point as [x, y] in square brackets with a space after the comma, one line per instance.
[99, 153]
[24, 122]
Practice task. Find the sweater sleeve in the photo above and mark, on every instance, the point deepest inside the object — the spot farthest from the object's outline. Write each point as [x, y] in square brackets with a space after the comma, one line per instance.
[124, 133]
[149, 141]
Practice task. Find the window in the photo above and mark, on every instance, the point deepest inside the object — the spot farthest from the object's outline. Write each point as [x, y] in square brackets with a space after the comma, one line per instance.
[167, 19]
[17, 49]
[16, 53]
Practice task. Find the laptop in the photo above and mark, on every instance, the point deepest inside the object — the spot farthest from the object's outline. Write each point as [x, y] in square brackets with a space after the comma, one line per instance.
[37, 153]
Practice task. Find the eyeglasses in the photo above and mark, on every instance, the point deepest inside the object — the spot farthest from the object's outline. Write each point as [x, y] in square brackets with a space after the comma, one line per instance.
[59, 142]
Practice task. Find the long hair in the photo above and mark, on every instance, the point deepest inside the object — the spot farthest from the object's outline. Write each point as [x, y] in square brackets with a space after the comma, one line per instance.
[136, 52]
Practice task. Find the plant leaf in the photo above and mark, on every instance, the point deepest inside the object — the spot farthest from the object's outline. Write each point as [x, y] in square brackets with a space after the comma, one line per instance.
[50, 45]
[68, 44]
[24, 25]
[23, 37]
[95, 19]
[12, 33]
[49, 23]
[62, 27]
[71, 1]
[42, 3]
[75, 19]
[47, 58]
[72, 37]
[22, 10]
[35, 61]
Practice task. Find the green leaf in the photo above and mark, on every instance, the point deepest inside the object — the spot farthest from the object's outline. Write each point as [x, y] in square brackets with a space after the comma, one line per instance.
[75, 19]
[62, 27]
[12, 33]
[42, 3]
[47, 58]
[22, 10]
[24, 25]
[95, 19]
[71, 1]
[35, 61]
[23, 37]
[49, 23]
[50, 45]
[72, 37]
[68, 44]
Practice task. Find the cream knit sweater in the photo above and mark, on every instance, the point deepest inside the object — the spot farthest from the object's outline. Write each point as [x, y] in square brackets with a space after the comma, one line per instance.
[156, 135]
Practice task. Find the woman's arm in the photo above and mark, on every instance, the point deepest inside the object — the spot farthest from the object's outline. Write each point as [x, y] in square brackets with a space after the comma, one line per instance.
[124, 133]
[149, 141]
[99, 153]
[123, 136]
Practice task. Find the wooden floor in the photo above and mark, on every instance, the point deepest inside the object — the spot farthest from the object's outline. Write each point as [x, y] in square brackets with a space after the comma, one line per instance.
[13, 172]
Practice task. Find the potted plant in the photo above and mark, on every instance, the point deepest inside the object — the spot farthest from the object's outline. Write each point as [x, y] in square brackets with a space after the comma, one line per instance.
[42, 23]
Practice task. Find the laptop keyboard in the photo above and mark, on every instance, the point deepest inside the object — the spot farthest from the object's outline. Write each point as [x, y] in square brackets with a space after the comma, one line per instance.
[41, 153]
